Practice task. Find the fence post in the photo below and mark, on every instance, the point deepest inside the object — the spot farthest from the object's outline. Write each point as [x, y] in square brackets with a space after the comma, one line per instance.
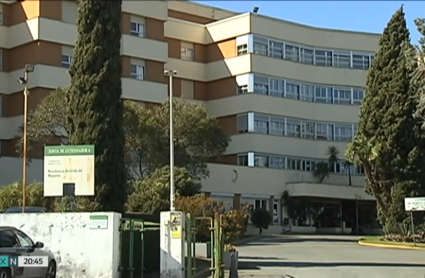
[188, 233]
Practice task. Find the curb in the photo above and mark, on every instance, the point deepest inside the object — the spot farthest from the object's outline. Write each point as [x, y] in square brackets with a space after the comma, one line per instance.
[390, 246]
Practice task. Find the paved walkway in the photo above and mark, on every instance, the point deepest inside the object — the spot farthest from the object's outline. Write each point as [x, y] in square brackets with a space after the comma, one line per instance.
[316, 256]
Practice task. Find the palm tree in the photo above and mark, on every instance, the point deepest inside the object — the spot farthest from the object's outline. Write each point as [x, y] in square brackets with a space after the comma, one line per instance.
[323, 168]
[347, 165]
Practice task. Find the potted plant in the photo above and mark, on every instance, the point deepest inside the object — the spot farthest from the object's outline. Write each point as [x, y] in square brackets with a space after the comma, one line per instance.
[230, 253]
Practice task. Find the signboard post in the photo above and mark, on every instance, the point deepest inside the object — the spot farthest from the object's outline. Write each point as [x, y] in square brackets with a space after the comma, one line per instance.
[69, 170]
[414, 204]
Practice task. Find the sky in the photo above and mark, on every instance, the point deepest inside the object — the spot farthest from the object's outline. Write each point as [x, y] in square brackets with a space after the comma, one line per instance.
[363, 16]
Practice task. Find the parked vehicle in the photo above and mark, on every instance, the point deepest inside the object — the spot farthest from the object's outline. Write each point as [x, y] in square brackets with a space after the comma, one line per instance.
[27, 210]
[14, 242]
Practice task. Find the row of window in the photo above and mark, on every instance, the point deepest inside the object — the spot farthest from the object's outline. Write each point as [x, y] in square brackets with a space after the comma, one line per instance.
[294, 163]
[304, 91]
[296, 128]
[308, 55]
[137, 71]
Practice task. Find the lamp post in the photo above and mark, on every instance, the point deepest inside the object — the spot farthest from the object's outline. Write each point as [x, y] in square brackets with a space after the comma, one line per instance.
[357, 197]
[171, 74]
[24, 81]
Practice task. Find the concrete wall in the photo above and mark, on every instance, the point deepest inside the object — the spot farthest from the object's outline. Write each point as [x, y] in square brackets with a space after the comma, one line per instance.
[80, 252]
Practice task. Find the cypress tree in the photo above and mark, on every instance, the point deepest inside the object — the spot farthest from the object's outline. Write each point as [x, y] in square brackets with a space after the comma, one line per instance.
[388, 128]
[95, 113]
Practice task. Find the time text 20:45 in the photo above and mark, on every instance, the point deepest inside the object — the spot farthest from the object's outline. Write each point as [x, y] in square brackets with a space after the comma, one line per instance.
[29, 261]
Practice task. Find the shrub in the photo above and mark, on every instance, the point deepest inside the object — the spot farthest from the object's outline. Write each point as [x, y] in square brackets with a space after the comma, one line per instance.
[418, 238]
[261, 219]
[11, 196]
[234, 221]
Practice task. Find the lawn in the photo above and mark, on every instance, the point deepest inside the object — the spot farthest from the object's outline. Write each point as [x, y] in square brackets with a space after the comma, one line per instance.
[379, 240]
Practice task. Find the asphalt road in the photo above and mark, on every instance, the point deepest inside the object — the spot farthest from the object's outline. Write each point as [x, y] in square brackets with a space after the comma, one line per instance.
[317, 256]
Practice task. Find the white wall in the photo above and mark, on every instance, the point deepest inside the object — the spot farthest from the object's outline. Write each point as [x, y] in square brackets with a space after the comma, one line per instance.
[80, 252]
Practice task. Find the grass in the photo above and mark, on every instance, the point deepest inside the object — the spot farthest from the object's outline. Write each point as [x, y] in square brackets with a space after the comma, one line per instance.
[379, 240]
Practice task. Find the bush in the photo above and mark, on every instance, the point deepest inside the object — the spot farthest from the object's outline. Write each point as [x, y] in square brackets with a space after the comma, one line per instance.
[11, 196]
[202, 206]
[261, 219]
[418, 238]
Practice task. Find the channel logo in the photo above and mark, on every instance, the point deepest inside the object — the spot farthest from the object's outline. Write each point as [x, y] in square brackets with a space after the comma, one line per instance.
[23, 261]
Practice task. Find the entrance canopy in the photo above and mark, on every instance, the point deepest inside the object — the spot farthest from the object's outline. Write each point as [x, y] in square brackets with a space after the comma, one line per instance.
[323, 190]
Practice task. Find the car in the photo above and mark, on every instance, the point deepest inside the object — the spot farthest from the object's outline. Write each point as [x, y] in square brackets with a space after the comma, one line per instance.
[14, 242]
[27, 210]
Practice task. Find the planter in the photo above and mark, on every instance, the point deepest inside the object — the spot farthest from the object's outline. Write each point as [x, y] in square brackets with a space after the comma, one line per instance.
[227, 258]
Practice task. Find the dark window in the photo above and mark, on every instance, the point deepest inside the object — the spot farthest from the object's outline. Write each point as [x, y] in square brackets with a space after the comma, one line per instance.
[8, 239]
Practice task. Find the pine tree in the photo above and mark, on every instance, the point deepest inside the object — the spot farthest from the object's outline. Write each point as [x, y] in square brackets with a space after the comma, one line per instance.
[95, 113]
[387, 140]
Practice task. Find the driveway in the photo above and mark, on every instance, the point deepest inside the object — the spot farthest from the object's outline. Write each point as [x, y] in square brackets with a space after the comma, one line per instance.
[319, 256]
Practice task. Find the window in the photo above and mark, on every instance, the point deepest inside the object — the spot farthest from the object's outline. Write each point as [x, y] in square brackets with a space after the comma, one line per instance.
[342, 167]
[66, 60]
[342, 95]
[293, 128]
[307, 56]
[277, 126]
[261, 123]
[307, 92]
[324, 132]
[242, 49]
[293, 163]
[292, 90]
[243, 123]
[137, 29]
[261, 204]
[261, 85]
[8, 239]
[292, 52]
[308, 165]
[243, 160]
[261, 160]
[323, 94]
[359, 170]
[260, 45]
[243, 89]
[1, 60]
[358, 95]
[343, 133]
[308, 130]
[361, 61]
[342, 59]
[187, 51]
[277, 162]
[261, 88]
[24, 240]
[277, 87]
[276, 49]
[323, 58]
[355, 129]
[138, 72]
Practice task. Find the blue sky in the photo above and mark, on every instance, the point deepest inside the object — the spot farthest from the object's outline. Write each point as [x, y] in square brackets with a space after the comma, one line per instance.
[365, 16]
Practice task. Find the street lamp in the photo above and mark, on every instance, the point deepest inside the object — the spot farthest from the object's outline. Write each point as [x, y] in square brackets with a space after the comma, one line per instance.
[24, 81]
[357, 197]
[170, 74]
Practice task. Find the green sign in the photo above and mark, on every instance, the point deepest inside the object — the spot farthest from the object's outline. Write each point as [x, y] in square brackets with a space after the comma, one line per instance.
[69, 150]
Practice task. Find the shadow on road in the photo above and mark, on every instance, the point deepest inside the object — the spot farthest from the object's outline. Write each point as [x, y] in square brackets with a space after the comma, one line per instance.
[257, 264]
[260, 258]
[297, 239]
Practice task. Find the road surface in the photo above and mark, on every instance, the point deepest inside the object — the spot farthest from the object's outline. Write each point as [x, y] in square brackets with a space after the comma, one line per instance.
[317, 256]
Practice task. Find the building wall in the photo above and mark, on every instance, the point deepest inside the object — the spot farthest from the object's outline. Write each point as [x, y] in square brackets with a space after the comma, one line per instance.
[79, 250]
[201, 43]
